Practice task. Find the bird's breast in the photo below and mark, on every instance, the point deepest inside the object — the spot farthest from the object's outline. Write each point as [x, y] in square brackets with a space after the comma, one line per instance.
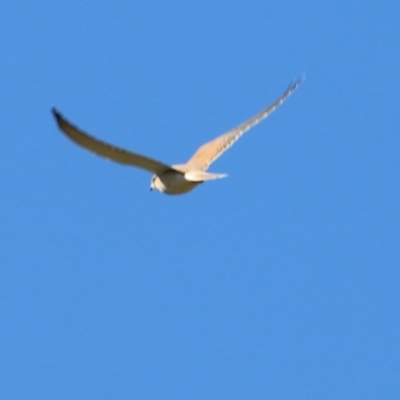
[172, 182]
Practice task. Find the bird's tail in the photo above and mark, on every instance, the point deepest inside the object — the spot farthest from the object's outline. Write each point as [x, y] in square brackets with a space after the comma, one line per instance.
[200, 176]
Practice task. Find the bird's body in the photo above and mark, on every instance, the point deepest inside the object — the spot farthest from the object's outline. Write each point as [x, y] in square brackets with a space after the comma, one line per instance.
[173, 179]
[172, 182]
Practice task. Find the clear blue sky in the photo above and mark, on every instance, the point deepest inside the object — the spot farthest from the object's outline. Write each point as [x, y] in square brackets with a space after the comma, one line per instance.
[279, 282]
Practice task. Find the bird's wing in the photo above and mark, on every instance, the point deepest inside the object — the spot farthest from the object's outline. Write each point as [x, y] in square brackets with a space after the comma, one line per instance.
[103, 149]
[210, 151]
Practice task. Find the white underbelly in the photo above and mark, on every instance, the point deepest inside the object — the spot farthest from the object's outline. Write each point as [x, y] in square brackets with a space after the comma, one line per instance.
[175, 183]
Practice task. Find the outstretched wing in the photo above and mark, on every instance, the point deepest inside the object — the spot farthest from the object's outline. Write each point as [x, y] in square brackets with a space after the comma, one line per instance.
[105, 150]
[210, 151]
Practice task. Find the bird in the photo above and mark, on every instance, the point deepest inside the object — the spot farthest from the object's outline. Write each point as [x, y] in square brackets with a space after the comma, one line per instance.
[178, 178]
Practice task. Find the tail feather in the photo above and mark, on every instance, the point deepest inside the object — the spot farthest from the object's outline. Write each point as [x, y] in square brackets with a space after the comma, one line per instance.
[200, 176]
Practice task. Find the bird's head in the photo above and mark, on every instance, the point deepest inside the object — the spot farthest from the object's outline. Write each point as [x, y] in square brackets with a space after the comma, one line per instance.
[156, 184]
[152, 182]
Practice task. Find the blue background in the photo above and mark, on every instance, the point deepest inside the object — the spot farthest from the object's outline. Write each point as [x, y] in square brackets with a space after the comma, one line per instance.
[279, 282]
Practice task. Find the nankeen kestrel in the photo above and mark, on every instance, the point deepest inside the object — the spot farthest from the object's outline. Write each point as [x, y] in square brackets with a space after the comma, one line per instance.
[179, 178]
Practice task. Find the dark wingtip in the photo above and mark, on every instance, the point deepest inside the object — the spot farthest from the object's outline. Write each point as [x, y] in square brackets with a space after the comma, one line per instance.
[57, 115]
[295, 83]
[299, 81]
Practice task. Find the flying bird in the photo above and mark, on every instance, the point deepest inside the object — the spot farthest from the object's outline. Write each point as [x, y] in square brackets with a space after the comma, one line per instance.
[178, 178]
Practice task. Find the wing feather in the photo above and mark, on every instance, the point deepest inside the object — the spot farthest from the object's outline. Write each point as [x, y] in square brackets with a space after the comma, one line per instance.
[210, 151]
[105, 150]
